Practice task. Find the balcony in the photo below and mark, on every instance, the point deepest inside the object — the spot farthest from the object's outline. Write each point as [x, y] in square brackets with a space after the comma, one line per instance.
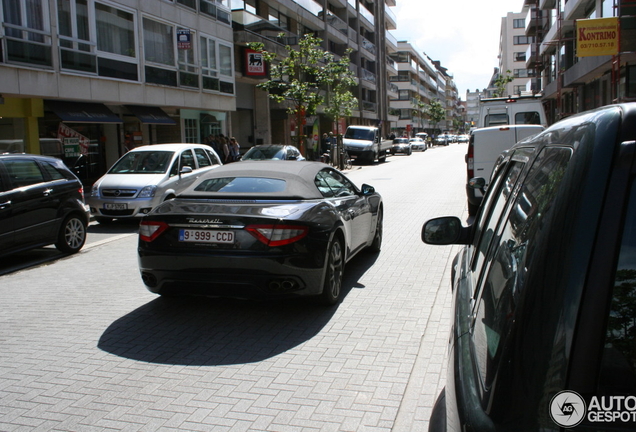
[391, 42]
[247, 21]
[534, 21]
[369, 106]
[391, 20]
[368, 46]
[337, 27]
[367, 75]
[368, 16]
[547, 4]
[532, 56]
[575, 9]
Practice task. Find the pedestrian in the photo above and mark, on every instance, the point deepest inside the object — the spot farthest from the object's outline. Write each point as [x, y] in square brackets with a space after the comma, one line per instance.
[235, 150]
[225, 149]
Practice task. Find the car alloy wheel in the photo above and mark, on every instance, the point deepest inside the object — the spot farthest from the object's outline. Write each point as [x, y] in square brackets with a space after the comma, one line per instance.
[72, 235]
[333, 277]
[377, 239]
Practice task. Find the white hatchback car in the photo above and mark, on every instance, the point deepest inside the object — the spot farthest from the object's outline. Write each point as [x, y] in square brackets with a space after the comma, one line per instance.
[146, 176]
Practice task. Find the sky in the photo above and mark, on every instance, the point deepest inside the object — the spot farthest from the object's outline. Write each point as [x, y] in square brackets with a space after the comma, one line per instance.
[462, 34]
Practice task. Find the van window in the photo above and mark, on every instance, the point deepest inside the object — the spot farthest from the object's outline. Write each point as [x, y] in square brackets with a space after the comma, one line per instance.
[618, 367]
[511, 257]
[496, 119]
[529, 117]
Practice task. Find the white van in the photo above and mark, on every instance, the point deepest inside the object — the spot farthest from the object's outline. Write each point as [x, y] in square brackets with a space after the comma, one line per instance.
[365, 143]
[484, 147]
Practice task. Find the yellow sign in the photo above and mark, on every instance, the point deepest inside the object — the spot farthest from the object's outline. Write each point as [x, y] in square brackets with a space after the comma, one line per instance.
[597, 37]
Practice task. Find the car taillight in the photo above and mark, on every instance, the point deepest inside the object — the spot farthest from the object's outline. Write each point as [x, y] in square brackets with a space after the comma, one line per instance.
[277, 235]
[81, 191]
[470, 158]
[150, 230]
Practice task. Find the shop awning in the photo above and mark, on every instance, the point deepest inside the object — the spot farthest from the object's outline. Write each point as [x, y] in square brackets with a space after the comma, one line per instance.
[82, 112]
[150, 115]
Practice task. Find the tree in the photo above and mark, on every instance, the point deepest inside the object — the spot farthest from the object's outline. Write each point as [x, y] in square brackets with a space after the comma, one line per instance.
[300, 78]
[420, 110]
[501, 82]
[436, 112]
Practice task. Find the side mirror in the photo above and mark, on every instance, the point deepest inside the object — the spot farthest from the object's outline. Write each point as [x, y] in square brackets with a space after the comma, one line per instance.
[185, 170]
[445, 231]
[367, 190]
[478, 183]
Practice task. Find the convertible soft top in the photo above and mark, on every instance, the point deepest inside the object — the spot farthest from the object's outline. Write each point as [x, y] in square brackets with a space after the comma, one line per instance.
[298, 176]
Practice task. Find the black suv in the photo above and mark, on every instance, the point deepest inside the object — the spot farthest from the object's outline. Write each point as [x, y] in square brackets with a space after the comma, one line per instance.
[41, 203]
[543, 332]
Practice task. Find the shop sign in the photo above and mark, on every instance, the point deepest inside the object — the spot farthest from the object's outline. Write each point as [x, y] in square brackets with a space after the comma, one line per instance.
[72, 147]
[254, 63]
[74, 138]
[597, 37]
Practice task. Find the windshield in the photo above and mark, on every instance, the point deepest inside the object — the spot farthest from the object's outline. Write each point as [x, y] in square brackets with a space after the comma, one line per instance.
[143, 162]
[359, 134]
[263, 153]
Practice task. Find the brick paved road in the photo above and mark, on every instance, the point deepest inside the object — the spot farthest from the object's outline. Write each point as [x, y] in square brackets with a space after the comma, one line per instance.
[85, 347]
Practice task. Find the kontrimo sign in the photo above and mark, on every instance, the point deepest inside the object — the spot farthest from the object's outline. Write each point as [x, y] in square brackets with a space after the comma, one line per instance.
[597, 37]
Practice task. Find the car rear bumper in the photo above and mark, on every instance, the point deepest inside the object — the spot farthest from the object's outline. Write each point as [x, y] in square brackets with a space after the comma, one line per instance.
[235, 277]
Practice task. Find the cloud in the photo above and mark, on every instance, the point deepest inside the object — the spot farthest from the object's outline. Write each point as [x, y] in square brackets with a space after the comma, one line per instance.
[462, 34]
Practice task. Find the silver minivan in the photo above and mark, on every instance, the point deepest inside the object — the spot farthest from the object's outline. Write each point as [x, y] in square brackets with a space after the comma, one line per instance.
[146, 176]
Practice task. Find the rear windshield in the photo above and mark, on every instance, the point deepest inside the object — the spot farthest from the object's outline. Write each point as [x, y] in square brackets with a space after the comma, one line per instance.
[143, 162]
[529, 117]
[262, 153]
[241, 185]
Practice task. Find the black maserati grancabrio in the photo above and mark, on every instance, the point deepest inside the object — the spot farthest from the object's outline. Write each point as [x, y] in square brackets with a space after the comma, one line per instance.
[266, 229]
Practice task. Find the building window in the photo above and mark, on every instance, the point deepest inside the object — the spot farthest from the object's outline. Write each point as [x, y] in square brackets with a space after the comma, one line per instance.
[188, 67]
[519, 23]
[519, 56]
[522, 40]
[216, 65]
[27, 31]
[77, 50]
[518, 89]
[159, 49]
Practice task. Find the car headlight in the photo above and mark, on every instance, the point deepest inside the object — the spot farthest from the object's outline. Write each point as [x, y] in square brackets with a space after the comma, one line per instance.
[95, 190]
[147, 192]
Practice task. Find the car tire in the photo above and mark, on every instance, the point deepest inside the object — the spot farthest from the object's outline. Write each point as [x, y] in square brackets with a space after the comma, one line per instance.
[376, 245]
[332, 287]
[103, 220]
[72, 235]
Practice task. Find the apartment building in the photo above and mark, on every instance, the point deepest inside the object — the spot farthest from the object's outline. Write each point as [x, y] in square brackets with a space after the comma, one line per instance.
[101, 76]
[417, 80]
[360, 25]
[571, 83]
[513, 48]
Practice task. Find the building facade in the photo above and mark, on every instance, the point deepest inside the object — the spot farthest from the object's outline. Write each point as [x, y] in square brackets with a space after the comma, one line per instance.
[102, 76]
[359, 25]
[571, 83]
[513, 48]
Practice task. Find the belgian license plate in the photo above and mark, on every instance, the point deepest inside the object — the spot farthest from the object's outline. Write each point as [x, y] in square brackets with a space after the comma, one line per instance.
[206, 236]
[110, 206]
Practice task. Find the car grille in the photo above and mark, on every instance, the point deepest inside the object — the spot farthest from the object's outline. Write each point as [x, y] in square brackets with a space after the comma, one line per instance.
[119, 193]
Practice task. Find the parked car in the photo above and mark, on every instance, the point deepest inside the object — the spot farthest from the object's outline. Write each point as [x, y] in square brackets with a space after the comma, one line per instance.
[418, 144]
[146, 176]
[544, 314]
[41, 203]
[401, 145]
[267, 229]
[462, 139]
[273, 152]
[443, 139]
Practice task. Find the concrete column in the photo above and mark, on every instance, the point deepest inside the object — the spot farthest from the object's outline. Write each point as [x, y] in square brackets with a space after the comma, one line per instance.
[262, 117]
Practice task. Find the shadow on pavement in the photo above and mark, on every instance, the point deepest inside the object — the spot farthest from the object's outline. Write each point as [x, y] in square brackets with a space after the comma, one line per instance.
[123, 226]
[213, 331]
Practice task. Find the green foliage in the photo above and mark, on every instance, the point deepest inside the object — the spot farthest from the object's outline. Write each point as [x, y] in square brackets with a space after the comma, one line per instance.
[501, 83]
[302, 76]
[420, 110]
[435, 111]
